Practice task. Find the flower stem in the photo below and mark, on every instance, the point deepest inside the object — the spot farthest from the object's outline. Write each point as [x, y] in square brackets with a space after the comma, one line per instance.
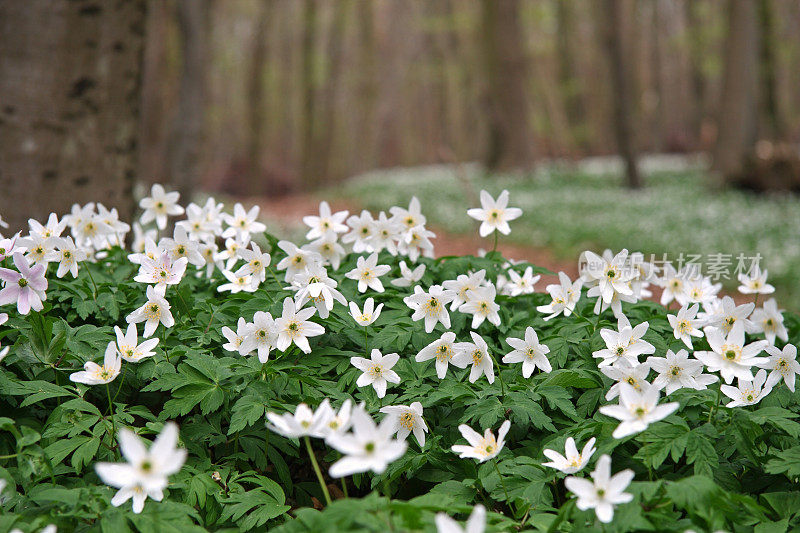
[317, 470]
[344, 487]
[502, 483]
[89, 271]
[499, 378]
[366, 340]
[715, 407]
[111, 411]
[494, 248]
[121, 382]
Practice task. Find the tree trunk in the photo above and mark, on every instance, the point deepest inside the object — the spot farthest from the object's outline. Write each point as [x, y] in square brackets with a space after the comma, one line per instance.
[774, 125]
[186, 137]
[617, 29]
[330, 111]
[70, 80]
[569, 83]
[736, 125]
[256, 90]
[308, 91]
[509, 138]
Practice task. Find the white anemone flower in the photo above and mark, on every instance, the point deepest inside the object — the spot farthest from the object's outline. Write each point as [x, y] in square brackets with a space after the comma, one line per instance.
[377, 371]
[408, 419]
[302, 423]
[369, 446]
[475, 524]
[637, 409]
[481, 447]
[494, 215]
[784, 365]
[623, 371]
[769, 320]
[603, 492]
[242, 223]
[477, 353]
[748, 392]
[94, 374]
[236, 338]
[145, 472]
[443, 350]
[335, 422]
[430, 305]
[730, 356]
[368, 272]
[68, 256]
[128, 345]
[481, 305]
[156, 310]
[326, 223]
[565, 296]
[524, 284]
[529, 352]
[370, 314]
[160, 205]
[408, 276]
[362, 228]
[460, 286]
[295, 327]
[685, 324]
[572, 461]
[679, 371]
[261, 336]
[256, 262]
[755, 282]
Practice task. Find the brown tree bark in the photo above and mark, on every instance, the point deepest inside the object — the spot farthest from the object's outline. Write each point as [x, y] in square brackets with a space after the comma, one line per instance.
[70, 78]
[736, 124]
[616, 25]
[308, 90]
[256, 92]
[510, 144]
[186, 136]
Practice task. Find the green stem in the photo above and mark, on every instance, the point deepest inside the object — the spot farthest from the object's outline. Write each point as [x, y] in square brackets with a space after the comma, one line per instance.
[121, 382]
[9, 456]
[274, 276]
[755, 300]
[344, 487]
[499, 378]
[366, 341]
[111, 411]
[494, 248]
[89, 271]
[317, 470]
[715, 407]
[502, 483]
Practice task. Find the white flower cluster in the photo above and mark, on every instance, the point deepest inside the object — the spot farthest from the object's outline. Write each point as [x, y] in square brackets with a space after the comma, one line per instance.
[367, 445]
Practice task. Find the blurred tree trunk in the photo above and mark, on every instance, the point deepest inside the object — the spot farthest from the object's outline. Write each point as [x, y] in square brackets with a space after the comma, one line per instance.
[774, 123]
[70, 80]
[157, 82]
[186, 136]
[308, 175]
[256, 90]
[509, 141]
[616, 22]
[334, 50]
[569, 83]
[736, 125]
[368, 85]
